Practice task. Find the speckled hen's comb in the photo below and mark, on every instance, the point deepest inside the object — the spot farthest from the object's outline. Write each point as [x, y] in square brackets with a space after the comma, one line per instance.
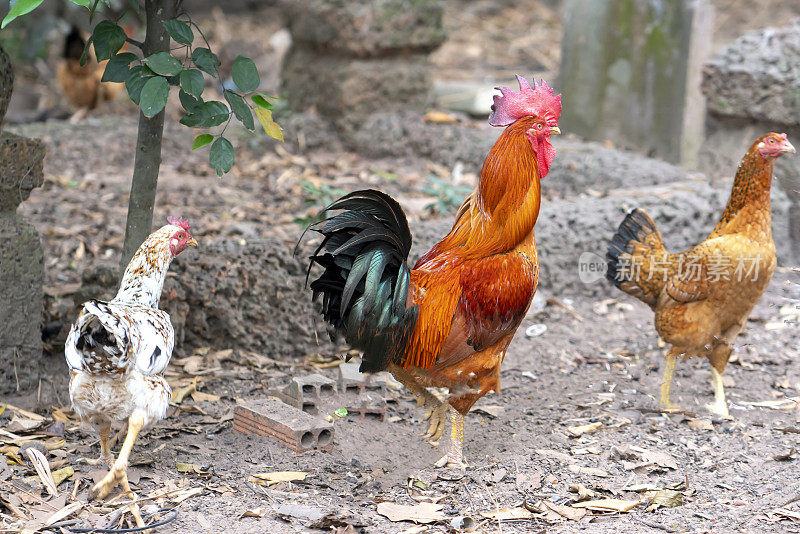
[539, 100]
[178, 221]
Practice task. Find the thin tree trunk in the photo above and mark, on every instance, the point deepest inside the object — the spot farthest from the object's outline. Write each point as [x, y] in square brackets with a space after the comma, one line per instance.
[148, 141]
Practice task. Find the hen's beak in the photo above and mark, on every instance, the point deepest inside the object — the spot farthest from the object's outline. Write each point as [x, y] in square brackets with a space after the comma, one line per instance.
[787, 147]
[555, 130]
[192, 243]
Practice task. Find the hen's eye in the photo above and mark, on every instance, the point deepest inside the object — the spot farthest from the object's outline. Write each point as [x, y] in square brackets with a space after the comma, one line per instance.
[771, 141]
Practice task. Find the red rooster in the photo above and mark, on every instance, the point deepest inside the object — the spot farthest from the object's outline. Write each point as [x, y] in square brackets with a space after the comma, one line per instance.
[117, 351]
[448, 321]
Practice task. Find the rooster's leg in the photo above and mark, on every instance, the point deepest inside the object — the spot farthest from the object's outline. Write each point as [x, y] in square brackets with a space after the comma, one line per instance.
[720, 406]
[119, 471]
[437, 407]
[454, 456]
[666, 381]
[106, 458]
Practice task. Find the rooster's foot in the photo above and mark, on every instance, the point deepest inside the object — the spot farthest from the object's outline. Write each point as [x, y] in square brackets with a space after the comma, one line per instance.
[437, 418]
[448, 462]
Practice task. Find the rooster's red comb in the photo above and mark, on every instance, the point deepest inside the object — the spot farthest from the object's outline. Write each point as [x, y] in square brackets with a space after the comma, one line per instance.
[539, 101]
[178, 221]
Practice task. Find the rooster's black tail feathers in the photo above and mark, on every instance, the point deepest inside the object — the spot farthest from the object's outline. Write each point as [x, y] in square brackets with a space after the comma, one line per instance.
[366, 279]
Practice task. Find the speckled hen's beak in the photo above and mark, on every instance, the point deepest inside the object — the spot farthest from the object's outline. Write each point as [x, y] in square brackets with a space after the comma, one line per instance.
[192, 243]
[787, 147]
[555, 130]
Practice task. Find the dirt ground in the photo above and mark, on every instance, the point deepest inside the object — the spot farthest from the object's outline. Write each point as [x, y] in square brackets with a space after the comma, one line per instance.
[576, 416]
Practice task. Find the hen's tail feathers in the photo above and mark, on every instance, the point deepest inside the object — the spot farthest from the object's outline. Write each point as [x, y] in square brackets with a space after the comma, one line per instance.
[631, 255]
[100, 339]
[366, 278]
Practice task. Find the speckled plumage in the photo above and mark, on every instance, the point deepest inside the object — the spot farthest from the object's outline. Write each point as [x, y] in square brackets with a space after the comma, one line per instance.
[116, 351]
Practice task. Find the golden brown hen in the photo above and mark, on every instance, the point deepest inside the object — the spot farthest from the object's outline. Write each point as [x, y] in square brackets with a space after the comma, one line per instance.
[81, 84]
[703, 296]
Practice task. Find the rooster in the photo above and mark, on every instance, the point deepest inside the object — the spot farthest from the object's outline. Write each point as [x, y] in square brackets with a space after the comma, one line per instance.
[117, 351]
[703, 296]
[447, 322]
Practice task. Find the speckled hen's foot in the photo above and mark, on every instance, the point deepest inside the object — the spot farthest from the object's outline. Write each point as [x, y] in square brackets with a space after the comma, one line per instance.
[104, 459]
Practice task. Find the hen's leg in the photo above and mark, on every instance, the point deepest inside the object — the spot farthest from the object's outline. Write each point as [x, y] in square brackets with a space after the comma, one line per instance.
[119, 471]
[454, 456]
[720, 406]
[666, 381]
[106, 458]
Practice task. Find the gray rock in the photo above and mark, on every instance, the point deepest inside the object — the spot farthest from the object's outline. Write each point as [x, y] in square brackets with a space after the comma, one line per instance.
[21, 265]
[367, 28]
[757, 76]
[249, 297]
[340, 86]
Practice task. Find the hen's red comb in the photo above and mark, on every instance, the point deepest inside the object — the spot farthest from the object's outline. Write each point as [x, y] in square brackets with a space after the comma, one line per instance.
[178, 221]
[539, 101]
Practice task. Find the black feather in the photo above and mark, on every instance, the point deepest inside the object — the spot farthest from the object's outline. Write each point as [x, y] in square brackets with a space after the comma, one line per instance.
[365, 276]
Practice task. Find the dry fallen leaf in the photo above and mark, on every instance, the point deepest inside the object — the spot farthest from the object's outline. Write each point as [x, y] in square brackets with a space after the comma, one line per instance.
[199, 396]
[506, 514]
[42, 469]
[789, 403]
[577, 431]
[665, 498]
[439, 117]
[701, 424]
[268, 479]
[255, 512]
[424, 512]
[608, 505]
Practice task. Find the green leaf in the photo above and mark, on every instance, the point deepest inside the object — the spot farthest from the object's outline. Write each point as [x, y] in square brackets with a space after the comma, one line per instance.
[205, 60]
[189, 102]
[221, 156]
[240, 109]
[134, 5]
[192, 82]
[83, 3]
[20, 7]
[202, 140]
[179, 31]
[163, 63]
[118, 68]
[108, 39]
[271, 128]
[262, 102]
[245, 74]
[154, 96]
[206, 115]
[137, 77]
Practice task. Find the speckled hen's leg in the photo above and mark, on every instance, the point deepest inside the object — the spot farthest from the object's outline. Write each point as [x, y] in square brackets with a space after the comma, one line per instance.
[119, 471]
[666, 381]
[455, 455]
[106, 458]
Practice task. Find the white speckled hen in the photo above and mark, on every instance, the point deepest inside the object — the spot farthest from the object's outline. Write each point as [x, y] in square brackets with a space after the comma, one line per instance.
[117, 351]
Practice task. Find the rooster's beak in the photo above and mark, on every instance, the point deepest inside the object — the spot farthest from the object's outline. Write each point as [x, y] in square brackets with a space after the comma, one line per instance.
[555, 130]
[787, 147]
[192, 243]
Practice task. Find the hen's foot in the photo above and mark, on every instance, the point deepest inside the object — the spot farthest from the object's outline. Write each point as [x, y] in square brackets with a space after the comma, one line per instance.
[437, 419]
[670, 406]
[720, 409]
[104, 459]
[118, 475]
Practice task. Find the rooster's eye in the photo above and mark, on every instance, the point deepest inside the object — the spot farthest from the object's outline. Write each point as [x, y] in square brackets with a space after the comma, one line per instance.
[539, 125]
[771, 141]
